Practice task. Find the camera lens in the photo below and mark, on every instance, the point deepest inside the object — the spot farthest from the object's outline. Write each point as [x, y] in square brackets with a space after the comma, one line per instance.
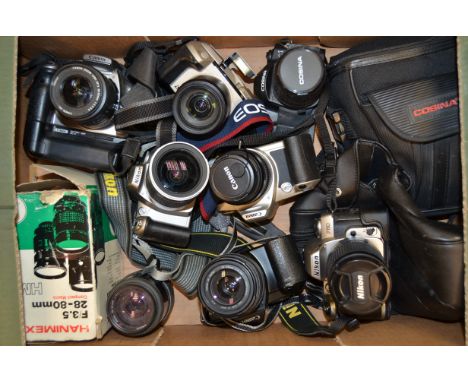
[199, 108]
[46, 263]
[178, 173]
[137, 305]
[83, 94]
[232, 286]
[358, 279]
[76, 91]
[71, 224]
[239, 177]
[299, 77]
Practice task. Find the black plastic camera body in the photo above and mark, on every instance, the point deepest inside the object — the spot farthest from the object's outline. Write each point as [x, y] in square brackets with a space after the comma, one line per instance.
[240, 286]
[351, 256]
[292, 81]
[70, 112]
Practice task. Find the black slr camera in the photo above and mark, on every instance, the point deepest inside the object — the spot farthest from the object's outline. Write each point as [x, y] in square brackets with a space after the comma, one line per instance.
[71, 110]
[206, 89]
[253, 181]
[351, 257]
[292, 81]
[240, 286]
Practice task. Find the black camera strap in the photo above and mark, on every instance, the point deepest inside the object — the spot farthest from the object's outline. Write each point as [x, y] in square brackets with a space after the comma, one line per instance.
[329, 151]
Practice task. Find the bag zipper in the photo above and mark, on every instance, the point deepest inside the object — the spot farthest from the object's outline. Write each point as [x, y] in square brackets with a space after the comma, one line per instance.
[396, 53]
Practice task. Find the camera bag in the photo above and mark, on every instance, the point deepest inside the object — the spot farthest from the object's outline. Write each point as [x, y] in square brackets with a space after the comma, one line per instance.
[402, 92]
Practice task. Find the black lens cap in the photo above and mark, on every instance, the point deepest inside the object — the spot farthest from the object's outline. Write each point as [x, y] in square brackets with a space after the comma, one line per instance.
[238, 177]
[359, 280]
[299, 77]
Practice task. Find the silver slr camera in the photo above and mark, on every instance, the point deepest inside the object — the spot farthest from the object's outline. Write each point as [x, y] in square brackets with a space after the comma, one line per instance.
[254, 181]
[166, 186]
[206, 88]
[351, 256]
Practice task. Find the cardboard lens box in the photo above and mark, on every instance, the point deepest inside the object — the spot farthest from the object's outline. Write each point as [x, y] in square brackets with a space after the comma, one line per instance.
[70, 258]
[183, 326]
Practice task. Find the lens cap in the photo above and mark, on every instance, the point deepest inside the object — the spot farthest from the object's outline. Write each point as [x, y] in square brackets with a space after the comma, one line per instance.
[359, 280]
[299, 77]
[238, 177]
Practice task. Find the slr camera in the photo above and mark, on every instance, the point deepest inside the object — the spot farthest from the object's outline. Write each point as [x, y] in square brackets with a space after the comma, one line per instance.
[206, 89]
[166, 186]
[240, 286]
[253, 181]
[351, 258]
[71, 109]
[138, 304]
[292, 81]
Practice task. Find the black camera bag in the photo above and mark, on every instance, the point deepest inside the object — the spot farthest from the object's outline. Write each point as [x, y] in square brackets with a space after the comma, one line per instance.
[402, 92]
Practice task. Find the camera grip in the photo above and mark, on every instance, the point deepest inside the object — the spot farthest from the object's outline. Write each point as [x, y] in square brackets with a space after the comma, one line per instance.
[38, 110]
[300, 157]
[286, 264]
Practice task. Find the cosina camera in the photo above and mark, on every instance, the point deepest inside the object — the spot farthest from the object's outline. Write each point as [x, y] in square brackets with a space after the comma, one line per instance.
[351, 258]
[240, 286]
[291, 82]
[207, 90]
[166, 186]
[253, 181]
[71, 109]
[138, 304]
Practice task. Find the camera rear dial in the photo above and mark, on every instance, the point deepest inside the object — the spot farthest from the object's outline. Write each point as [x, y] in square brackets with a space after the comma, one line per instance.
[200, 107]
[81, 93]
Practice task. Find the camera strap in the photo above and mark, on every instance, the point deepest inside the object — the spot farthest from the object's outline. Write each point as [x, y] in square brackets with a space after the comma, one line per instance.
[329, 151]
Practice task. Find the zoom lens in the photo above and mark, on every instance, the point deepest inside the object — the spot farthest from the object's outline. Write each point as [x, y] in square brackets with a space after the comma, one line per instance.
[46, 263]
[71, 224]
[199, 108]
[232, 286]
[81, 93]
[359, 280]
[137, 305]
[178, 173]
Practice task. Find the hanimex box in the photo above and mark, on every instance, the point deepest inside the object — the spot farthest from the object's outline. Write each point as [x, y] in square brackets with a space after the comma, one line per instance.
[70, 257]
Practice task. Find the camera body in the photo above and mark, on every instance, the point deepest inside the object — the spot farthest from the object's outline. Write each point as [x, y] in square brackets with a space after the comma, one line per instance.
[240, 286]
[70, 112]
[207, 89]
[253, 181]
[166, 186]
[351, 258]
[293, 77]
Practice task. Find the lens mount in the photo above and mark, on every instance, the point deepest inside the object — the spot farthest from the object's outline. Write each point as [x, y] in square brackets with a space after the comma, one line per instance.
[46, 264]
[81, 93]
[232, 286]
[178, 173]
[200, 107]
[137, 305]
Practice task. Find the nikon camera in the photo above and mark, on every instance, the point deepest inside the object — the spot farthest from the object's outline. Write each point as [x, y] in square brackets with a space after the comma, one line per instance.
[240, 286]
[253, 181]
[206, 89]
[166, 186]
[351, 258]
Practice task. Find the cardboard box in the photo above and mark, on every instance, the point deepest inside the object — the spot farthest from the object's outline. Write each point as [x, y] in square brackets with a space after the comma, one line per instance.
[70, 258]
[183, 327]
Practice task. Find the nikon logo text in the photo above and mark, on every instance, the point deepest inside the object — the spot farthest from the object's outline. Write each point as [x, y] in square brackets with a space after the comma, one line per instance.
[300, 70]
[111, 185]
[234, 184]
[360, 293]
